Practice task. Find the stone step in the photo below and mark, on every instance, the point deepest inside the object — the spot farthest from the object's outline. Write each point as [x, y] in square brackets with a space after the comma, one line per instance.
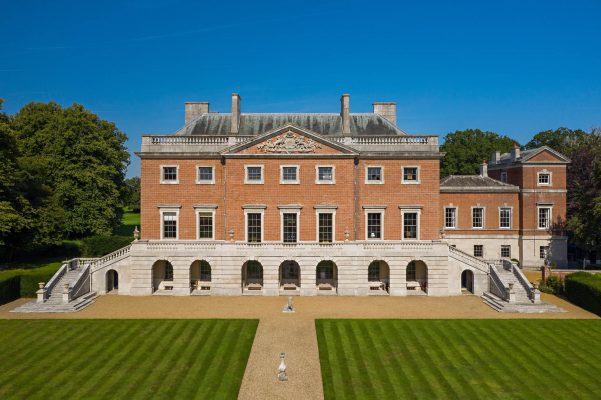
[74, 306]
[519, 307]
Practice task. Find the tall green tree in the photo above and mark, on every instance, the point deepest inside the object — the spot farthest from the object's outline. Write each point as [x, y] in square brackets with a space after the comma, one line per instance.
[79, 160]
[465, 150]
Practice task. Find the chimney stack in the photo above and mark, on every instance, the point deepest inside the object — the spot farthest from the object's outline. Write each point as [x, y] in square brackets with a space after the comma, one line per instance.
[345, 113]
[195, 109]
[484, 169]
[386, 110]
[515, 152]
[235, 123]
[495, 158]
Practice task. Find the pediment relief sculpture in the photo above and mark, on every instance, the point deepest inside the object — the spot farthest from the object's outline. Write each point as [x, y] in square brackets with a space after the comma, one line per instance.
[289, 143]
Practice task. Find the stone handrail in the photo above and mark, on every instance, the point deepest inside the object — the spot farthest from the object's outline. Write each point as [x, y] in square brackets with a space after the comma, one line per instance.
[497, 286]
[80, 286]
[99, 263]
[52, 282]
[533, 293]
[469, 259]
[387, 140]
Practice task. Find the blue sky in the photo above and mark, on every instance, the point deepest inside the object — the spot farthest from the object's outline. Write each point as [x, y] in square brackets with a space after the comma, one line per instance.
[513, 67]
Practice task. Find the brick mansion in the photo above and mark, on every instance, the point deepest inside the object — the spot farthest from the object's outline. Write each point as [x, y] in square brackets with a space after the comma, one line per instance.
[332, 204]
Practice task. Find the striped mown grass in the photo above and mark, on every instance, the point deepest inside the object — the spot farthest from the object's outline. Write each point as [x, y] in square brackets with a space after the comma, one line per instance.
[123, 359]
[460, 359]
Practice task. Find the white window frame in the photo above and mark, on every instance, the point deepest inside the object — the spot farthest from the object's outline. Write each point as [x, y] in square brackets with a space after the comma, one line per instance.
[510, 217]
[162, 211]
[205, 181]
[288, 182]
[409, 211]
[455, 221]
[289, 211]
[325, 211]
[501, 250]
[382, 214]
[538, 227]
[248, 182]
[483, 217]
[544, 172]
[254, 211]
[169, 182]
[201, 210]
[325, 182]
[415, 182]
[503, 176]
[381, 181]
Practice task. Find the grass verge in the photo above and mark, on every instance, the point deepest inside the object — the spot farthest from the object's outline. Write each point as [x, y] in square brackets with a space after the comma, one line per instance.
[460, 359]
[124, 359]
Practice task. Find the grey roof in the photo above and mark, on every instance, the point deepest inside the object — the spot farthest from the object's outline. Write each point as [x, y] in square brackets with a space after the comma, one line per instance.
[474, 182]
[324, 124]
[525, 155]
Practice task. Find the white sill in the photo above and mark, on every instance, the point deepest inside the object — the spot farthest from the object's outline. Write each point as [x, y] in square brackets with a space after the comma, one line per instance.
[410, 182]
[170, 182]
[253, 182]
[374, 182]
[289, 182]
[325, 182]
[205, 182]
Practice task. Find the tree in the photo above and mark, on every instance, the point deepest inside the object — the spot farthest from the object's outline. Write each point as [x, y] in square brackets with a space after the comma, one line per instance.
[79, 160]
[564, 140]
[465, 150]
[132, 196]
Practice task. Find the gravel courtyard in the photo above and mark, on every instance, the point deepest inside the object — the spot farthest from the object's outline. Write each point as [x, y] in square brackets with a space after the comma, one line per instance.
[292, 333]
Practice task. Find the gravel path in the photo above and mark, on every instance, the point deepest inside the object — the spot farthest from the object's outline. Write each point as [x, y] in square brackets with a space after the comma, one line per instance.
[293, 333]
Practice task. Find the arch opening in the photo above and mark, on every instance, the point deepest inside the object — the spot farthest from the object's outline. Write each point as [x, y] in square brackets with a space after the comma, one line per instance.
[326, 277]
[378, 277]
[290, 275]
[467, 282]
[252, 276]
[200, 276]
[417, 277]
[112, 281]
[162, 276]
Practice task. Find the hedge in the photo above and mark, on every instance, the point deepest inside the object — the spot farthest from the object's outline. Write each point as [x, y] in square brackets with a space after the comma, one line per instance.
[10, 289]
[584, 290]
[30, 277]
[98, 246]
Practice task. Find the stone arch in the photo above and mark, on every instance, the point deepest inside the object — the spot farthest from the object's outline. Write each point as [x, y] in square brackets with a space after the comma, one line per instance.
[289, 275]
[252, 275]
[326, 276]
[417, 276]
[467, 281]
[200, 275]
[378, 275]
[162, 275]
[112, 280]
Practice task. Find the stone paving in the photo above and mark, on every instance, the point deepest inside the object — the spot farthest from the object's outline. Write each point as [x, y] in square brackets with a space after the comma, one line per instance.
[293, 333]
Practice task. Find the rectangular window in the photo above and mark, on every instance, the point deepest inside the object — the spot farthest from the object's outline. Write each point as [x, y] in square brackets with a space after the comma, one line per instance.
[253, 224]
[325, 174]
[478, 250]
[544, 178]
[374, 175]
[477, 217]
[505, 218]
[290, 232]
[205, 225]
[544, 252]
[410, 175]
[254, 174]
[289, 174]
[504, 177]
[169, 225]
[205, 175]
[450, 217]
[544, 218]
[505, 251]
[410, 225]
[169, 174]
[326, 227]
[374, 225]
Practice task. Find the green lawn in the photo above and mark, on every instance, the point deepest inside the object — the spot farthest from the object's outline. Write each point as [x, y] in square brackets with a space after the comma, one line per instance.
[129, 221]
[462, 359]
[123, 359]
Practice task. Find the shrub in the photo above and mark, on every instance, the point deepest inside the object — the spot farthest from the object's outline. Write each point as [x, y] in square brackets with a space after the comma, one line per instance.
[30, 277]
[97, 246]
[9, 289]
[555, 283]
[584, 290]
[515, 261]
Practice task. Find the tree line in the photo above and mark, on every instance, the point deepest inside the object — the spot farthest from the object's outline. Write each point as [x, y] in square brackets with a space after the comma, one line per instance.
[465, 150]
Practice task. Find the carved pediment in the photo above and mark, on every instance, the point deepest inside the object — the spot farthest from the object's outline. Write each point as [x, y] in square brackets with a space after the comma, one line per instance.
[288, 143]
